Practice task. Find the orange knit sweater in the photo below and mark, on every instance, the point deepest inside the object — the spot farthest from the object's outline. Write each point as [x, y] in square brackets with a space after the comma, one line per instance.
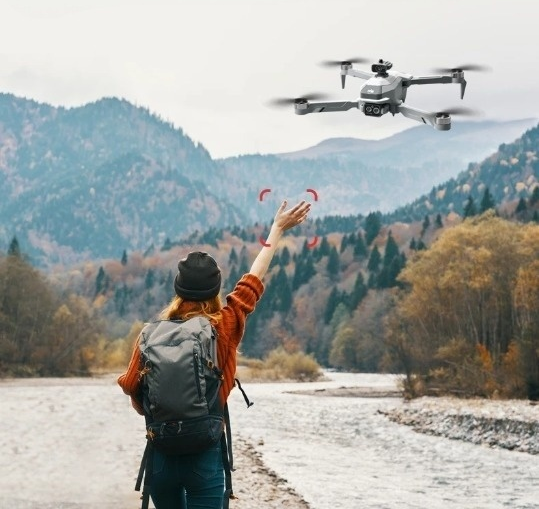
[239, 303]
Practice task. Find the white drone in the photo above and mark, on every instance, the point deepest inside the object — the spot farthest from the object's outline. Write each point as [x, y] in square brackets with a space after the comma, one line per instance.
[385, 91]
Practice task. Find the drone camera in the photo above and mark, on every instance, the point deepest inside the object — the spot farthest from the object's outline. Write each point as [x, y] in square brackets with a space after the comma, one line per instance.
[381, 67]
[375, 110]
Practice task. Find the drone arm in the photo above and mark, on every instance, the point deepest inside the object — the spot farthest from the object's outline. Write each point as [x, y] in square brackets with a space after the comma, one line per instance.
[456, 77]
[427, 80]
[442, 123]
[322, 107]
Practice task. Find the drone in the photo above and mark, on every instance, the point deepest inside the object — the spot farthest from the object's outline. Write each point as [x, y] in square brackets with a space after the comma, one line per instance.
[385, 92]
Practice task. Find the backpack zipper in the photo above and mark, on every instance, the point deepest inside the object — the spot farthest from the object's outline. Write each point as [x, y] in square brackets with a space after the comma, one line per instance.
[197, 376]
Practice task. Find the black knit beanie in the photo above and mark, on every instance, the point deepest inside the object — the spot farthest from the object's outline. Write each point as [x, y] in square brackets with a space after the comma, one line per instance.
[198, 277]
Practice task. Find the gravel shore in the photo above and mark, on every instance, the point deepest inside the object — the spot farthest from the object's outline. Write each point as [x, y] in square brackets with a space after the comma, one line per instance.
[77, 444]
[508, 424]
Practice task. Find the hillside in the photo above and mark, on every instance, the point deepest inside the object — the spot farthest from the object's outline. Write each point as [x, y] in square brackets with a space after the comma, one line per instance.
[356, 259]
[510, 173]
[89, 182]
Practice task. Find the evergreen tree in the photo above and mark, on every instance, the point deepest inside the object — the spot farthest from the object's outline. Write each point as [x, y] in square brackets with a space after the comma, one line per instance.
[233, 257]
[382, 279]
[344, 243]
[521, 207]
[14, 248]
[325, 248]
[374, 260]
[285, 256]
[101, 282]
[373, 225]
[438, 222]
[149, 280]
[413, 245]
[169, 284]
[232, 279]
[331, 304]
[426, 224]
[391, 250]
[124, 258]
[284, 301]
[421, 245]
[534, 198]
[360, 249]
[304, 271]
[487, 202]
[167, 245]
[334, 264]
[359, 291]
[470, 209]
[244, 261]
[394, 269]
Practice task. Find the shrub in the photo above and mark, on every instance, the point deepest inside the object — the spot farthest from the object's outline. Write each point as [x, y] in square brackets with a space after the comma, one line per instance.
[281, 365]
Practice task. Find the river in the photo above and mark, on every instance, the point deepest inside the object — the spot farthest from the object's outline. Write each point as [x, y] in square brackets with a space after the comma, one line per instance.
[76, 444]
[339, 452]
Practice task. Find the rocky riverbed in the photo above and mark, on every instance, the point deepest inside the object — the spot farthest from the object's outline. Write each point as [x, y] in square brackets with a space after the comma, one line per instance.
[508, 424]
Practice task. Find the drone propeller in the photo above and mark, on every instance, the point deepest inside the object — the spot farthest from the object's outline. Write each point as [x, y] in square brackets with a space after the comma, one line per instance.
[338, 63]
[288, 101]
[460, 111]
[466, 67]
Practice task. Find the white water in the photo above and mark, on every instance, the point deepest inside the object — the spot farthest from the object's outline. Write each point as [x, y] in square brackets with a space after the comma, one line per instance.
[339, 453]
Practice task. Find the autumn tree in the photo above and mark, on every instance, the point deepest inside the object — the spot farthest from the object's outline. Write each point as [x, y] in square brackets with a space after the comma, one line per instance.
[463, 289]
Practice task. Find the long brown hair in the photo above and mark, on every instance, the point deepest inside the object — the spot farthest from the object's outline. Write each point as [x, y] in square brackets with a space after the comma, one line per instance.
[181, 309]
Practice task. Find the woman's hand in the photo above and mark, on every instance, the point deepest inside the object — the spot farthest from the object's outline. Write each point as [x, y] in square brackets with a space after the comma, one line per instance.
[286, 219]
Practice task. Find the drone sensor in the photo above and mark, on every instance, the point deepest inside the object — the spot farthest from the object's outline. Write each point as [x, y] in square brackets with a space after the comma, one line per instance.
[375, 110]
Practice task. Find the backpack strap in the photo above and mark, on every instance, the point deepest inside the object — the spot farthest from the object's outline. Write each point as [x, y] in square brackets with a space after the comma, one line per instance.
[228, 460]
[247, 401]
[146, 471]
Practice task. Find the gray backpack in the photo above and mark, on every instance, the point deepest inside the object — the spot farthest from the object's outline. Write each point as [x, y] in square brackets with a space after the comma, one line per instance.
[181, 385]
[180, 395]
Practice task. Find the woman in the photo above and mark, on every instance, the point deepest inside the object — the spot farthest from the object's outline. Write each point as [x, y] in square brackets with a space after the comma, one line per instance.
[200, 477]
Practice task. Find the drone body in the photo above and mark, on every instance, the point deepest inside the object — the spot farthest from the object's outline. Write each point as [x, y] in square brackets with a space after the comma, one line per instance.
[385, 92]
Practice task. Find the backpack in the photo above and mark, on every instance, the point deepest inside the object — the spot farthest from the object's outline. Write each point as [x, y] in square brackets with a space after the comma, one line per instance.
[180, 395]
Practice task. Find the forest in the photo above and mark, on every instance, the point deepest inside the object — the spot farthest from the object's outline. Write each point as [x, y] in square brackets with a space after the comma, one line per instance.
[450, 302]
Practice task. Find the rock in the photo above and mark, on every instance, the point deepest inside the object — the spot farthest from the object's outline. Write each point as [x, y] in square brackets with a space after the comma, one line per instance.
[512, 425]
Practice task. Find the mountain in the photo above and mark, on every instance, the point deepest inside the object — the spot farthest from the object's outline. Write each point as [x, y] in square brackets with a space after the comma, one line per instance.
[101, 178]
[510, 173]
[354, 176]
[92, 181]
[465, 141]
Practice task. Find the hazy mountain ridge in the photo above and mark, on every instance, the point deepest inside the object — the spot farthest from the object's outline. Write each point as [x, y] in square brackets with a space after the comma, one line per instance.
[358, 176]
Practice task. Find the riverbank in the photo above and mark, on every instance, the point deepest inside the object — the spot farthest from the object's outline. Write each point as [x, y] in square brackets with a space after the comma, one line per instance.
[77, 444]
[506, 424]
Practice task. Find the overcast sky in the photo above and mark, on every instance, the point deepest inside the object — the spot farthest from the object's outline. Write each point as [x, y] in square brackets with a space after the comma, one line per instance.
[210, 66]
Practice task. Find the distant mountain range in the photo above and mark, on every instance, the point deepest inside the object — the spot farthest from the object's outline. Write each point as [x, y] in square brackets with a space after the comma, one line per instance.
[91, 181]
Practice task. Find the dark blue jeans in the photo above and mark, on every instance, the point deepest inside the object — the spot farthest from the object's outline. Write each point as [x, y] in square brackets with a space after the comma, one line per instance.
[192, 481]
